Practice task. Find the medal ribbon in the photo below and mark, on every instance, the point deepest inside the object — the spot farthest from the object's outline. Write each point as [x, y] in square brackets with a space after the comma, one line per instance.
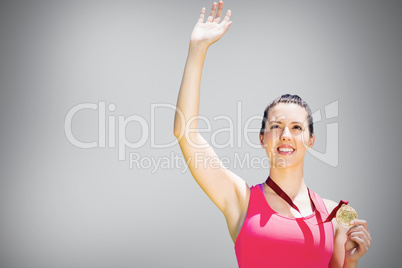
[285, 197]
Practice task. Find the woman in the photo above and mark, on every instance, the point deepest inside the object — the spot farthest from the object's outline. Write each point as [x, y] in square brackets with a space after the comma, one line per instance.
[268, 231]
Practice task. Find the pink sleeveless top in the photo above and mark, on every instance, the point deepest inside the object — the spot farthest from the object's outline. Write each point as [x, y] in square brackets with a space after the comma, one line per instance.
[268, 239]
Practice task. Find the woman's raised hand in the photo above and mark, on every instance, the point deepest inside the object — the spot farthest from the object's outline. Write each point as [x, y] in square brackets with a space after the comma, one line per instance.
[213, 29]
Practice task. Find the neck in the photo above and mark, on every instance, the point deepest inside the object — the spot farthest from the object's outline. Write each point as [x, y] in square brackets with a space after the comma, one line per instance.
[291, 181]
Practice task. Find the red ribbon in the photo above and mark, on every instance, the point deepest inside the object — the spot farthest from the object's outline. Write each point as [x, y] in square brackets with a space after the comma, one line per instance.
[285, 197]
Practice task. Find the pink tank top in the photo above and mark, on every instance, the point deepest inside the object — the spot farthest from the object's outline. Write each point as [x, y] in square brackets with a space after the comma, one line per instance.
[268, 239]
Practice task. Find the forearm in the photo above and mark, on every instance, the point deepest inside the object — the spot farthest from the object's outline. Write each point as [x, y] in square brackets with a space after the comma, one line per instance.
[189, 95]
[350, 265]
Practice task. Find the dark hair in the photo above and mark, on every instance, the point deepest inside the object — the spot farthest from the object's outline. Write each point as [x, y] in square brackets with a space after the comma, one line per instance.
[288, 98]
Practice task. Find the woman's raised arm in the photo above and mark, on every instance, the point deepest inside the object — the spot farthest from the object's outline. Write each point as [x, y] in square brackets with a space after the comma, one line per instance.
[228, 191]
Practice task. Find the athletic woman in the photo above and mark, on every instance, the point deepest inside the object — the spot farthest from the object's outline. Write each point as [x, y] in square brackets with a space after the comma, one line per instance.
[280, 222]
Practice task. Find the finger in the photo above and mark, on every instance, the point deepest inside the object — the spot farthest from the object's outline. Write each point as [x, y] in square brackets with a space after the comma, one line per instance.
[358, 228]
[361, 238]
[362, 233]
[358, 222]
[225, 27]
[227, 17]
[201, 18]
[361, 222]
[212, 13]
[219, 12]
[362, 243]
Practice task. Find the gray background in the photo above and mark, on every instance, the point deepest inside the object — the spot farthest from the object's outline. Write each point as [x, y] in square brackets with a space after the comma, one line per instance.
[62, 206]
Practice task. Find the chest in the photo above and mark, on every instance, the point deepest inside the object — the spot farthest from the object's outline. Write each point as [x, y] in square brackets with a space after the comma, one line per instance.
[281, 207]
[274, 237]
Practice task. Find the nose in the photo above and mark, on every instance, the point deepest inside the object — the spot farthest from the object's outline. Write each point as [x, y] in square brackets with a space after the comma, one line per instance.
[286, 135]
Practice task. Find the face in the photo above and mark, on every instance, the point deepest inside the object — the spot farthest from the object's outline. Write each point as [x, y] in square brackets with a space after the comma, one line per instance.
[286, 137]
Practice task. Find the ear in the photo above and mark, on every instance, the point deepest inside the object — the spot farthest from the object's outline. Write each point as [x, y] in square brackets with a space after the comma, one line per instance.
[262, 141]
[311, 142]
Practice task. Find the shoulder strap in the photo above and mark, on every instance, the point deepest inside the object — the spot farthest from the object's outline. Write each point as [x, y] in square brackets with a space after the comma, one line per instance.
[319, 203]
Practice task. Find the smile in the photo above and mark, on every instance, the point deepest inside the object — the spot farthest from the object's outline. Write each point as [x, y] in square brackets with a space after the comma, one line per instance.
[285, 150]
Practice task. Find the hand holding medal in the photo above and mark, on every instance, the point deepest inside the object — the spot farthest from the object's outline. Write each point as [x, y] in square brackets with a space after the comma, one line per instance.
[358, 237]
[358, 241]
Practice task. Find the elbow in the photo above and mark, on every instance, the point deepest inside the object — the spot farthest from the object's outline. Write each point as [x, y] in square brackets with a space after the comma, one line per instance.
[177, 127]
[178, 130]
[176, 133]
[181, 133]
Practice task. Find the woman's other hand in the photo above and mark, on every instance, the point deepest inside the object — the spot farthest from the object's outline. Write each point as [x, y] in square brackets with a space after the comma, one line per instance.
[358, 241]
[207, 33]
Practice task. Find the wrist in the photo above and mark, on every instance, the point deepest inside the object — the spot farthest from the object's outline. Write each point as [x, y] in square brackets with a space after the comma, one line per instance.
[197, 52]
[350, 264]
[198, 46]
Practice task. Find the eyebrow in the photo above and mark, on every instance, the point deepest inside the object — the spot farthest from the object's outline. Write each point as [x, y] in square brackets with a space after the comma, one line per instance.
[280, 122]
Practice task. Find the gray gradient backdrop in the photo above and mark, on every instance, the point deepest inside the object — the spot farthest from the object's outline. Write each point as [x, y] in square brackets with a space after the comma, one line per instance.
[62, 206]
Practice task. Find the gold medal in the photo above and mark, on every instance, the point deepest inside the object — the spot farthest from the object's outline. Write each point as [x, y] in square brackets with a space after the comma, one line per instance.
[345, 215]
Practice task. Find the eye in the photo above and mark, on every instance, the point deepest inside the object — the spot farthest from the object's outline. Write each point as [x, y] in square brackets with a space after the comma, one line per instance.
[297, 127]
[274, 127]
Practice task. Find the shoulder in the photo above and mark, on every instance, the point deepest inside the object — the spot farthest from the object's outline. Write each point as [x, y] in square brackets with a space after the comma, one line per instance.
[329, 204]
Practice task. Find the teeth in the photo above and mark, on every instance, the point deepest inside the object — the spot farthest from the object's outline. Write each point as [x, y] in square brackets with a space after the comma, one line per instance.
[286, 149]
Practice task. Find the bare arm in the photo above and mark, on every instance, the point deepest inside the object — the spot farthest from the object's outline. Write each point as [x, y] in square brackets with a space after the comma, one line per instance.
[228, 191]
[203, 35]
